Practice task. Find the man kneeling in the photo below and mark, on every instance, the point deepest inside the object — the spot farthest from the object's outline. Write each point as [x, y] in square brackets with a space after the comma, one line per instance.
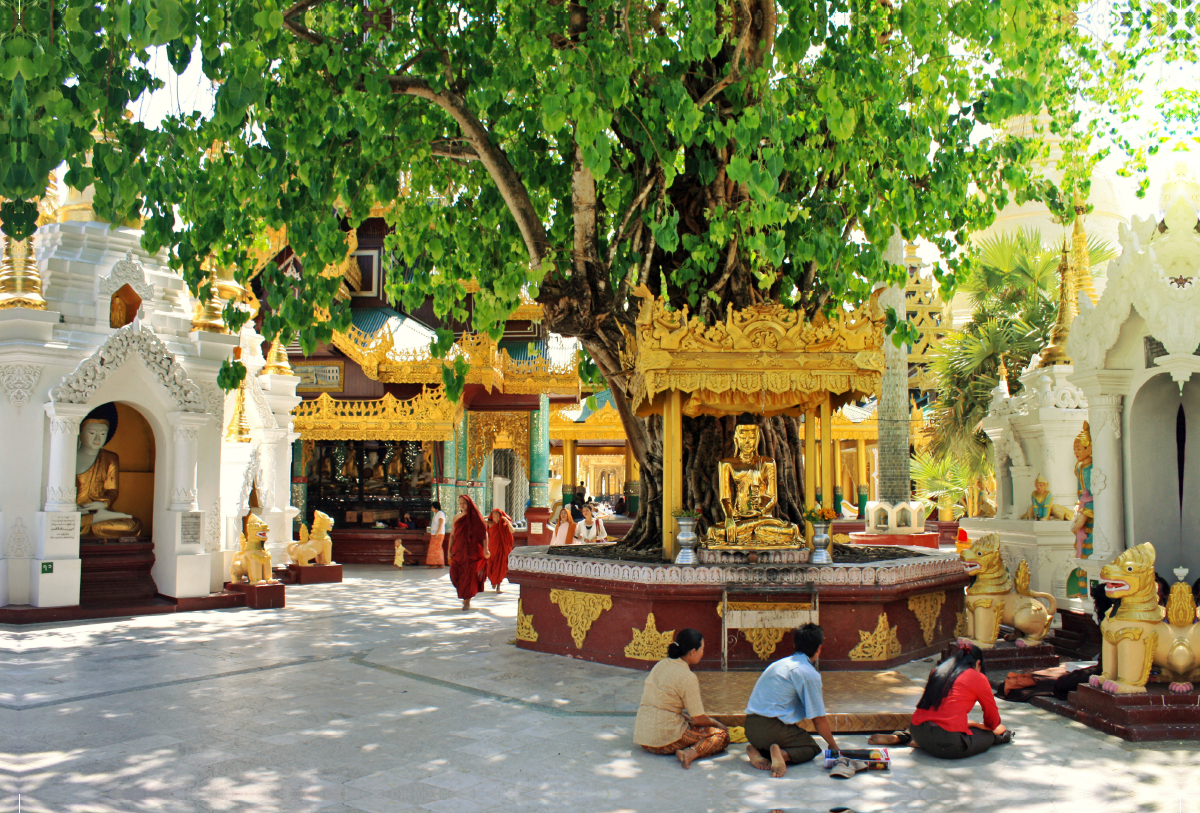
[788, 692]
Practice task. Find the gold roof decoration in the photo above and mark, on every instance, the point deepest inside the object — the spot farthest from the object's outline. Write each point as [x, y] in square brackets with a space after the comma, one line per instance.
[490, 365]
[527, 311]
[764, 358]
[428, 416]
[926, 312]
[603, 424]
[487, 431]
[919, 430]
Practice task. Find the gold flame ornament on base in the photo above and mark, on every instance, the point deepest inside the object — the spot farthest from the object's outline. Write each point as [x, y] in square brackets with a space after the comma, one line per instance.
[20, 283]
[239, 427]
[277, 360]
[1068, 308]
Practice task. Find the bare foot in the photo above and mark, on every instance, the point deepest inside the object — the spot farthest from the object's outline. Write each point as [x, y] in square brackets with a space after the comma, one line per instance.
[497, 588]
[778, 762]
[757, 760]
[466, 605]
[883, 739]
[685, 757]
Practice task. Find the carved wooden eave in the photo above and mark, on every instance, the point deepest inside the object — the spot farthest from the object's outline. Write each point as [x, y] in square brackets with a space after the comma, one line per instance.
[527, 311]
[488, 431]
[766, 359]
[603, 424]
[274, 241]
[490, 366]
[429, 416]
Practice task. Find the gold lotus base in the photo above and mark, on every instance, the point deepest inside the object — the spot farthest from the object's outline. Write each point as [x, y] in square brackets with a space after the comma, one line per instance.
[34, 303]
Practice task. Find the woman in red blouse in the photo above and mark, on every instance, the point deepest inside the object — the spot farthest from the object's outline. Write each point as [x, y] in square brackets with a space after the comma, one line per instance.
[940, 725]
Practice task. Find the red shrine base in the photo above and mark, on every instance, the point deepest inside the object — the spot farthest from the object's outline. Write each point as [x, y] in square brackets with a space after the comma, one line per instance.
[1154, 716]
[925, 540]
[1006, 656]
[874, 616]
[310, 574]
[260, 596]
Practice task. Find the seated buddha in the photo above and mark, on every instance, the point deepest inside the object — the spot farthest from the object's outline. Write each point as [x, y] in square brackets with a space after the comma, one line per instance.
[747, 487]
[96, 481]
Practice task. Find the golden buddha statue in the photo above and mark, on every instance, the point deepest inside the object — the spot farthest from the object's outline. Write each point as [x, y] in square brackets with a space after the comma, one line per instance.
[96, 480]
[749, 494]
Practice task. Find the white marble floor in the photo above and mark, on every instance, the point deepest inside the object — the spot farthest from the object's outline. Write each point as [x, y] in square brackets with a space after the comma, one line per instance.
[378, 695]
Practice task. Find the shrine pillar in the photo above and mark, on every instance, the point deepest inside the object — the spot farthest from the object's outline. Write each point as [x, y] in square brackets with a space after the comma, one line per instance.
[570, 477]
[810, 466]
[448, 482]
[633, 486]
[837, 477]
[826, 454]
[672, 491]
[537, 515]
[1108, 490]
[861, 461]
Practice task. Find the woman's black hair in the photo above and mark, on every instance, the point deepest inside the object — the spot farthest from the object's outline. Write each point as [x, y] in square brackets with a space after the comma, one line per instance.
[437, 506]
[686, 641]
[942, 680]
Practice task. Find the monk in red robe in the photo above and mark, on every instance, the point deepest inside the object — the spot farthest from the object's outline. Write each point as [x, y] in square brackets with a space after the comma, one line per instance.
[500, 544]
[468, 551]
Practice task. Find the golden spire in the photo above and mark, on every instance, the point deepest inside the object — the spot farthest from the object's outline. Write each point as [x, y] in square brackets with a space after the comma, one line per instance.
[207, 315]
[277, 360]
[239, 427]
[20, 282]
[1056, 353]
[1081, 270]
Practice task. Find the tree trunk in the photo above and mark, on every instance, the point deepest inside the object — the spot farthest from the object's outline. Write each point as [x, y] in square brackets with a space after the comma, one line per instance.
[706, 440]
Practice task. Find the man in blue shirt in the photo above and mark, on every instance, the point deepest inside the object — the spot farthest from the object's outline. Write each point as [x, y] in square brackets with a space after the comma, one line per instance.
[788, 692]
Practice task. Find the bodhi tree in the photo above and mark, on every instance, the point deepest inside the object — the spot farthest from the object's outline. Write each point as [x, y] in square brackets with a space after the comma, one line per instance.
[720, 152]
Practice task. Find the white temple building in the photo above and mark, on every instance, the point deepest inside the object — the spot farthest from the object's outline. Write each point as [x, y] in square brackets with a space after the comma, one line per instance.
[104, 336]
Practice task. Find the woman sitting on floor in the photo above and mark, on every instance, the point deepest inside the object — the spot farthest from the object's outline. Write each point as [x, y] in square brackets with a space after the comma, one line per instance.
[671, 718]
[940, 725]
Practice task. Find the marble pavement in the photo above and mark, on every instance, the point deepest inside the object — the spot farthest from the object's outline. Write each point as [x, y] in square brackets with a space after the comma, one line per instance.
[378, 695]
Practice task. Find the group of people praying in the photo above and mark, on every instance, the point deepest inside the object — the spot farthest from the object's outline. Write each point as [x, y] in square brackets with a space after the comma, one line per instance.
[671, 719]
[585, 529]
[479, 547]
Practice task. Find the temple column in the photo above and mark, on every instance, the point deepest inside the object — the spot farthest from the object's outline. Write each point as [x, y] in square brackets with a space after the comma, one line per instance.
[186, 427]
[570, 471]
[837, 476]
[299, 485]
[672, 491]
[1108, 481]
[810, 466]
[462, 476]
[860, 449]
[633, 488]
[64, 442]
[446, 484]
[538, 512]
[826, 454]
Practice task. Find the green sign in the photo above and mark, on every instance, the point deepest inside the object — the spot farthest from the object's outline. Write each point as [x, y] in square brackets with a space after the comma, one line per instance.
[47, 567]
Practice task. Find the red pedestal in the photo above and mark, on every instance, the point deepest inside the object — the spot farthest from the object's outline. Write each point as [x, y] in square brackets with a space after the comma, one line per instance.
[1006, 656]
[316, 574]
[538, 520]
[1154, 716]
[925, 540]
[260, 596]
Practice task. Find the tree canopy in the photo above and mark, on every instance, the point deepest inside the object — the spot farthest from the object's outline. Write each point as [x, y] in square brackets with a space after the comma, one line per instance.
[721, 152]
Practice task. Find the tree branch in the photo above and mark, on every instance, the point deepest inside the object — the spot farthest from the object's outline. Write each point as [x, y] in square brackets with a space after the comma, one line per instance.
[458, 152]
[494, 160]
[633, 207]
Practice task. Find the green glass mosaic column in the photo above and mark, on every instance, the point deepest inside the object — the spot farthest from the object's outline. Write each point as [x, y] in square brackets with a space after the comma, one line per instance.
[539, 454]
[299, 486]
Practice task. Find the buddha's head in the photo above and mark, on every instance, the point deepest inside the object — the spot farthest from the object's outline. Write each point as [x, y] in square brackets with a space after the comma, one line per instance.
[745, 438]
[1083, 445]
[93, 434]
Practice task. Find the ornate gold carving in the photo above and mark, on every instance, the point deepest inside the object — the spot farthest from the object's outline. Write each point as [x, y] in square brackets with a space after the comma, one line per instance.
[925, 312]
[960, 624]
[525, 630]
[748, 497]
[487, 430]
[927, 608]
[879, 645]
[20, 282]
[765, 606]
[766, 358]
[1181, 605]
[277, 360]
[603, 424]
[239, 428]
[649, 644]
[1148, 657]
[1127, 633]
[581, 610]
[429, 416]
[764, 640]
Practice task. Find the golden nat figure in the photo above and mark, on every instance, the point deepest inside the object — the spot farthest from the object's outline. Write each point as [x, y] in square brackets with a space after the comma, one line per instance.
[749, 494]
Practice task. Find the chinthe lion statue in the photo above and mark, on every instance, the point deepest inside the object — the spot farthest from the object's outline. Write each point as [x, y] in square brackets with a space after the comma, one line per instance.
[315, 548]
[1138, 636]
[994, 599]
[252, 562]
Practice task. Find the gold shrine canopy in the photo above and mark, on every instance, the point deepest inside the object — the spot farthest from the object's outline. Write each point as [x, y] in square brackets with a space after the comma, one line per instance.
[765, 359]
[428, 416]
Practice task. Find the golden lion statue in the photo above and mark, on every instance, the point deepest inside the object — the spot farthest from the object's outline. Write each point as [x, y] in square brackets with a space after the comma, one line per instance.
[252, 562]
[315, 548]
[1136, 636]
[994, 600]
